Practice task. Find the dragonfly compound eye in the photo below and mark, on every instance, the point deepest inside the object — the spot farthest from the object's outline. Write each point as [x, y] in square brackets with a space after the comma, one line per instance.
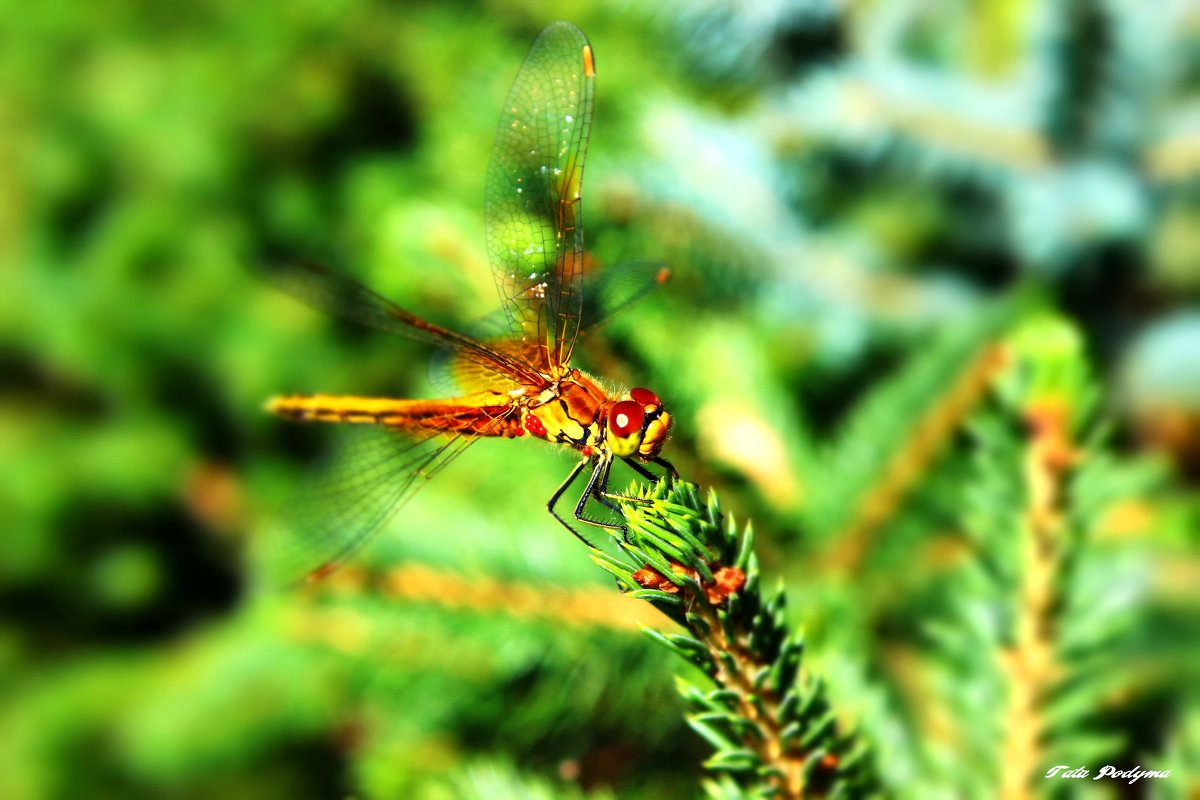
[625, 420]
[647, 399]
[655, 436]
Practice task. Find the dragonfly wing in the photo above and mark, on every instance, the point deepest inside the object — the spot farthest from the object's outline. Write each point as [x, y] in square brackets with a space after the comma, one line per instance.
[329, 291]
[322, 288]
[452, 373]
[532, 202]
[346, 499]
[606, 292]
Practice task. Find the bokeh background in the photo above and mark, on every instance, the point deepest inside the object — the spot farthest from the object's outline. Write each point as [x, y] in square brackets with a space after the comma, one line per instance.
[856, 199]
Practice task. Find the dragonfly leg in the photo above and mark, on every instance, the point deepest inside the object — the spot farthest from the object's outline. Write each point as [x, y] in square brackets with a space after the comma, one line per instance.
[640, 470]
[600, 491]
[645, 473]
[595, 488]
[672, 473]
[558, 493]
[668, 466]
[606, 498]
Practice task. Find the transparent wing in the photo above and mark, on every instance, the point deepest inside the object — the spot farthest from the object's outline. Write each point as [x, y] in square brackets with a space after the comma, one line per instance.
[610, 291]
[346, 499]
[322, 288]
[451, 373]
[532, 199]
[607, 292]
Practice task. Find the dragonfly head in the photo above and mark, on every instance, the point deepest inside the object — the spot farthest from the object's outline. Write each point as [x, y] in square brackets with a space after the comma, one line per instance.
[638, 425]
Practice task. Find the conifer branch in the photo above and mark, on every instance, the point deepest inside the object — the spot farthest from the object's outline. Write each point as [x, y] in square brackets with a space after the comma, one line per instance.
[592, 607]
[953, 133]
[1030, 663]
[771, 724]
[906, 466]
[1046, 389]
[1035, 613]
[884, 448]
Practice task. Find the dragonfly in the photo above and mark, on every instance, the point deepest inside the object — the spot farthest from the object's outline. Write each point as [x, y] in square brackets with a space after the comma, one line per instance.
[517, 384]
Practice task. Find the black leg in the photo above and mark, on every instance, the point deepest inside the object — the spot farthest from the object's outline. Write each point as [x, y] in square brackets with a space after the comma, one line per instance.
[558, 493]
[669, 467]
[595, 485]
[601, 492]
[639, 469]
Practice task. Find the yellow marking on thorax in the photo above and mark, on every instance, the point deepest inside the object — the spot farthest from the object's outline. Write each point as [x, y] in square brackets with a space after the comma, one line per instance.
[555, 421]
[571, 408]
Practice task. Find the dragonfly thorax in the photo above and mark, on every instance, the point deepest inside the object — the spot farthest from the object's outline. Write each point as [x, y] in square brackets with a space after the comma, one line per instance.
[568, 411]
[577, 412]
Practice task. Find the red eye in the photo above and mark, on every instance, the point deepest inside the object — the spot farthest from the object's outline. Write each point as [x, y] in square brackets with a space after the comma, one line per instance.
[625, 418]
[644, 397]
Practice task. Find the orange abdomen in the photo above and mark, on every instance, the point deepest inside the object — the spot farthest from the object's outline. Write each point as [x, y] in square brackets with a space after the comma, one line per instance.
[480, 414]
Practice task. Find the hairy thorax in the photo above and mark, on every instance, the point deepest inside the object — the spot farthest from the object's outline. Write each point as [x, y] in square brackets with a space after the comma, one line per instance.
[568, 412]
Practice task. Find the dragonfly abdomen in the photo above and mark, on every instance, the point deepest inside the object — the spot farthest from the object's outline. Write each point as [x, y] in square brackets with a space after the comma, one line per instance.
[481, 414]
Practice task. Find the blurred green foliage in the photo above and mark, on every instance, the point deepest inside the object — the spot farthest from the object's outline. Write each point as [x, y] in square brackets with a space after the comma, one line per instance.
[857, 201]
